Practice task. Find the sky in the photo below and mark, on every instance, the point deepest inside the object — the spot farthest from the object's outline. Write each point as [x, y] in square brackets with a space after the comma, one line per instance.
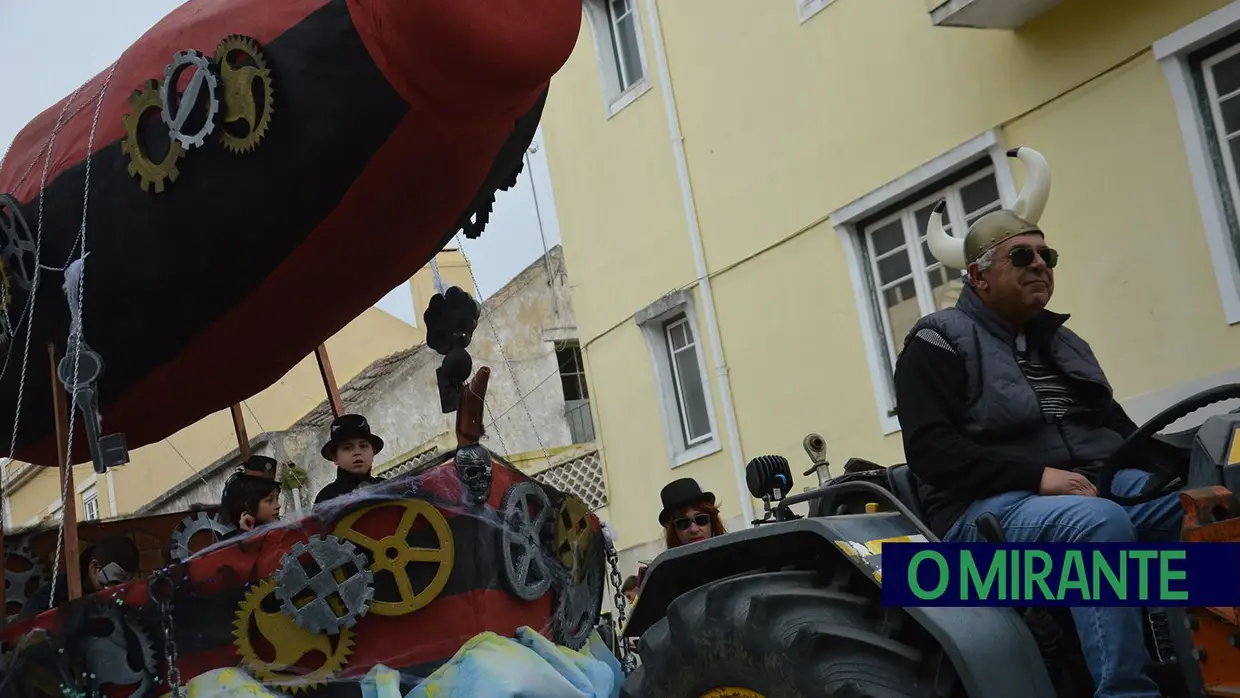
[50, 47]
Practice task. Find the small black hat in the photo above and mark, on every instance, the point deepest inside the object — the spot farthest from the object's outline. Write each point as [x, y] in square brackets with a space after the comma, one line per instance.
[261, 467]
[349, 426]
[679, 493]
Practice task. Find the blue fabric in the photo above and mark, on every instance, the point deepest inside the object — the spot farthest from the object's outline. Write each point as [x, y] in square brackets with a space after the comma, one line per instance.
[1112, 639]
[529, 666]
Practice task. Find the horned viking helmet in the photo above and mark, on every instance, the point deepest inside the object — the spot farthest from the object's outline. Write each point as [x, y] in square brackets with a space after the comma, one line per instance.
[996, 226]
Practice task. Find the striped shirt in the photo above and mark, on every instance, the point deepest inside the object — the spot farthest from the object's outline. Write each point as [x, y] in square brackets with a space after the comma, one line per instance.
[1053, 390]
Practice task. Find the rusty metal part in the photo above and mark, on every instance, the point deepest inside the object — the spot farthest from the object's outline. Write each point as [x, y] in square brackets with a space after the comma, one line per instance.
[1212, 515]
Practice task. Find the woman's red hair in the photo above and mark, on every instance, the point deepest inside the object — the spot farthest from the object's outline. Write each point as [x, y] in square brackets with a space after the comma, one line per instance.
[716, 524]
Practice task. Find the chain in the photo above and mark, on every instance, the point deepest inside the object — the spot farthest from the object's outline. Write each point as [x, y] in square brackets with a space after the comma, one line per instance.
[170, 643]
[627, 661]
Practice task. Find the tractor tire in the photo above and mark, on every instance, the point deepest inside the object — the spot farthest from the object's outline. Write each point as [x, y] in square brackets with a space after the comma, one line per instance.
[783, 635]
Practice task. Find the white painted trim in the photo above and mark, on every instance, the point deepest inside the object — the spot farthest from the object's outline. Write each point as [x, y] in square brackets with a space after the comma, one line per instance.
[1172, 52]
[87, 483]
[599, 20]
[111, 494]
[809, 8]
[678, 453]
[957, 158]
[1206, 30]
[846, 219]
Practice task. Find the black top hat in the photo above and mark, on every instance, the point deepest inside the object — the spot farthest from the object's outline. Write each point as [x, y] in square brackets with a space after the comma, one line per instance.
[349, 426]
[683, 492]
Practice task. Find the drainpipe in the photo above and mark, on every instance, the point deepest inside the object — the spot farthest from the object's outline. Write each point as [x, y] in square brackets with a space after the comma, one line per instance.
[111, 493]
[699, 260]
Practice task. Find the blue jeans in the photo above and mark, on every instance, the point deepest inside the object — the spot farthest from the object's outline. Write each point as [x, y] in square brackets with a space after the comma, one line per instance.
[1112, 639]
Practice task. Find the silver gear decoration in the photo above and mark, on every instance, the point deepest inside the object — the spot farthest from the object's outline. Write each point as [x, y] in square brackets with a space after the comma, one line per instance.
[331, 555]
[189, 527]
[187, 103]
[526, 569]
[17, 584]
[577, 608]
[107, 656]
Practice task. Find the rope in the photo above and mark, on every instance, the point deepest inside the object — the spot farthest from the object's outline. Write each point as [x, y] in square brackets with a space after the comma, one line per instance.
[499, 344]
[74, 339]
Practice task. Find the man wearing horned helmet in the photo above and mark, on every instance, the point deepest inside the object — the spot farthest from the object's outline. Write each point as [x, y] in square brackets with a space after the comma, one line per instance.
[1004, 410]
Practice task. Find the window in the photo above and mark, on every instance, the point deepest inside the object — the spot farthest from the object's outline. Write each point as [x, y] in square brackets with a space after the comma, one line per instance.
[616, 26]
[908, 282]
[576, 393]
[90, 504]
[894, 277]
[1201, 62]
[685, 404]
[687, 377]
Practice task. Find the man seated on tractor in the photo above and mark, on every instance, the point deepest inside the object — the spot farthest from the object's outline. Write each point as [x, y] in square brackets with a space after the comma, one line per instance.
[1006, 411]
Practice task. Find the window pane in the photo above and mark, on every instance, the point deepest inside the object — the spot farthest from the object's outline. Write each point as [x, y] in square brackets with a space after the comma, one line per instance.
[1227, 75]
[893, 267]
[887, 238]
[1234, 146]
[979, 194]
[902, 317]
[676, 331]
[899, 293]
[627, 31]
[694, 407]
[947, 288]
[618, 8]
[922, 216]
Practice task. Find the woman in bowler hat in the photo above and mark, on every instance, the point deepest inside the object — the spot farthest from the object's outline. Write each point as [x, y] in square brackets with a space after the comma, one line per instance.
[689, 515]
[352, 448]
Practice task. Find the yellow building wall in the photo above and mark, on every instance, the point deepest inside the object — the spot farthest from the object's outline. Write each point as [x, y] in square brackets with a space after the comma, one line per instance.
[155, 468]
[786, 122]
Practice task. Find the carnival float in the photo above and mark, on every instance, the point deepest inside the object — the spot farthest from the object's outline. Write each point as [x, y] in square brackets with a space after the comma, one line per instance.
[185, 215]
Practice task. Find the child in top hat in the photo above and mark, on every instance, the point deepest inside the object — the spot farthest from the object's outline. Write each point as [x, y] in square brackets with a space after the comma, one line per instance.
[689, 515]
[252, 495]
[352, 447]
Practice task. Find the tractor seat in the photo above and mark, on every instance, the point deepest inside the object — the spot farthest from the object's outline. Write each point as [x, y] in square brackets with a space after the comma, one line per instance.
[903, 484]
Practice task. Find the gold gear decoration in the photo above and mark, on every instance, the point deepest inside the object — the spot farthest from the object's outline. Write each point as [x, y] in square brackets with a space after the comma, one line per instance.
[393, 554]
[290, 641]
[239, 103]
[572, 541]
[151, 174]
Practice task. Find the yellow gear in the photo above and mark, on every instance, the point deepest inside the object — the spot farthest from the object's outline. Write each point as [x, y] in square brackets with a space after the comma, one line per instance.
[152, 174]
[572, 540]
[239, 102]
[393, 554]
[290, 641]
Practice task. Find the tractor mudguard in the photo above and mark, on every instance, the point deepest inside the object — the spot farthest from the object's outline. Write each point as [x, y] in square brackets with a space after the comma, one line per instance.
[991, 649]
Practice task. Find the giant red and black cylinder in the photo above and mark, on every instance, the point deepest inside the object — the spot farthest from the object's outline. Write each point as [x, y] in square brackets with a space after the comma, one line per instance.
[391, 123]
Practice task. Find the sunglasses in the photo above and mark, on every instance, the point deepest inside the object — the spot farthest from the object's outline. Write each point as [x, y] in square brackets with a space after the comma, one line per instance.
[1023, 256]
[702, 520]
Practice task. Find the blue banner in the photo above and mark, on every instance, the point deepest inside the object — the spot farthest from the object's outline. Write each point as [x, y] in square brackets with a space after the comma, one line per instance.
[1061, 574]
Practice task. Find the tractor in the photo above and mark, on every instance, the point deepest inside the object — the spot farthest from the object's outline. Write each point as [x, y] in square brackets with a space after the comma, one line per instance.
[791, 608]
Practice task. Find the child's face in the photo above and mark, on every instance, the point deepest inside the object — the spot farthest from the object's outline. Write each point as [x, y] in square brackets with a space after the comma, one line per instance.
[268, 508]
[355, 456]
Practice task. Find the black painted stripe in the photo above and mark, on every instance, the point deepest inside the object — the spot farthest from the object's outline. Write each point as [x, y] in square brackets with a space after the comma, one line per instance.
[151, 288]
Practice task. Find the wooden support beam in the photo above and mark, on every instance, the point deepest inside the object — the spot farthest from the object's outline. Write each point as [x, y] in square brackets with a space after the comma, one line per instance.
[68, 508]
[329, 380]
[243, 439]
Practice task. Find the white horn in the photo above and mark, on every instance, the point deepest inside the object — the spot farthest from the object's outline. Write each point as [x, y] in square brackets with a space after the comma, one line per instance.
[1037, 189]
[945, 247]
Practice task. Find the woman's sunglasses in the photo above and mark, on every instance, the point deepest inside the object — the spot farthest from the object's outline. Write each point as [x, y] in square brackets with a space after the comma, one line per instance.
[1023, 256]
[702, 520]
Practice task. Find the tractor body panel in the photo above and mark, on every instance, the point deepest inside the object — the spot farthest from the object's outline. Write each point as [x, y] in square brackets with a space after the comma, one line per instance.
[991, 649]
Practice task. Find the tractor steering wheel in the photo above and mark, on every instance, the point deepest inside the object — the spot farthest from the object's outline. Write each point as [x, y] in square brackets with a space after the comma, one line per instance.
[1164, 481]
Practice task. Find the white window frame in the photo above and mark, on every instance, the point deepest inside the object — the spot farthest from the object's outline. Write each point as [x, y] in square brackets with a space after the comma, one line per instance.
[599, 18]
[90, 494]
[809, 8]
[847, 221]
[653, 321]
[1172, 52]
